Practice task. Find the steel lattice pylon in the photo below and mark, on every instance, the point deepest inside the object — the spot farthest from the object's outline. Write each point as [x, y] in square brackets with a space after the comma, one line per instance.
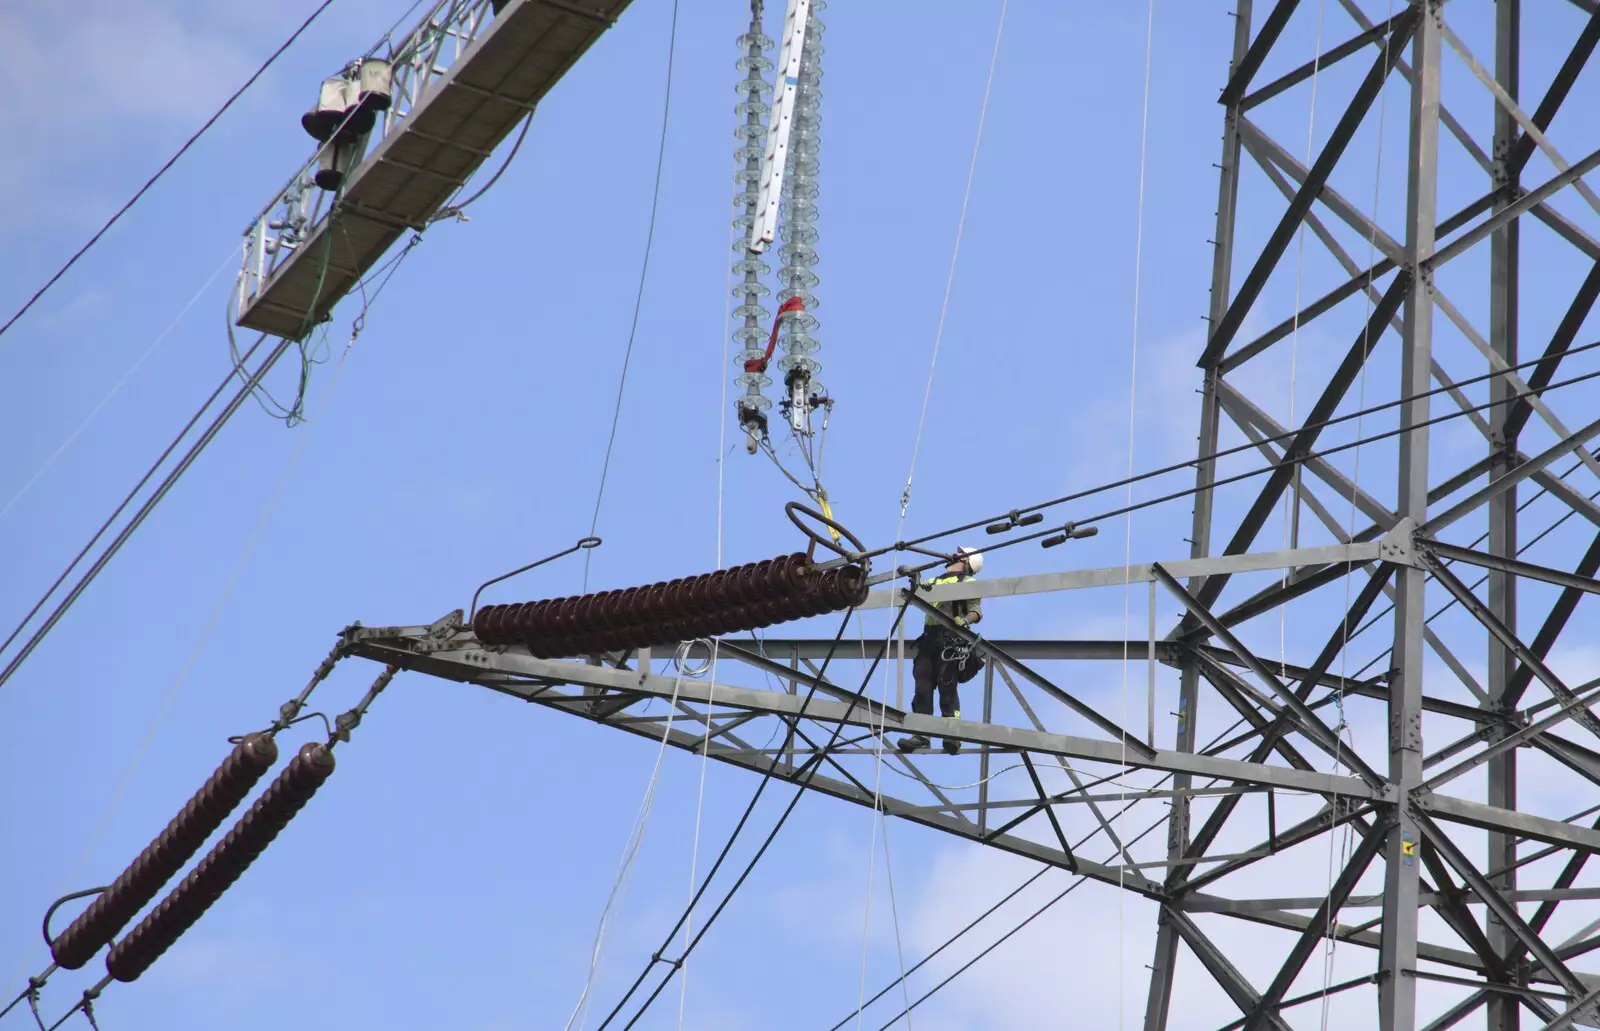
[1469, 882]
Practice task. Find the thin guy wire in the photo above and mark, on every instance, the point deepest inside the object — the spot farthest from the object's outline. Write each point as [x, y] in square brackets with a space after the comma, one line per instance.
[1291, 497]
[1127, 540]
[877, 818]
[950, 278]
[133, 525]
[1005, 937]
[638, 300]
[905, 495]
[1248, 474]
[126, 376]
[1331, 946]
[1254, 446]
[766, 778]
[894, 914]
[630, 852]
[716, 643]
[1037, 874]
[163, 169]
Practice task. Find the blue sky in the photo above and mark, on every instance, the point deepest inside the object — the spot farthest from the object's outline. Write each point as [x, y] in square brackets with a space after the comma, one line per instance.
[452, 871]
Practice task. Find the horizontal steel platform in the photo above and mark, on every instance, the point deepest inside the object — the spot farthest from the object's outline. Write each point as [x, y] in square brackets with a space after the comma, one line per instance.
[471, 80]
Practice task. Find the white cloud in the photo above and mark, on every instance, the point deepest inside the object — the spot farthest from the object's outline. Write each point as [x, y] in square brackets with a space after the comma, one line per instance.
[1166, 406]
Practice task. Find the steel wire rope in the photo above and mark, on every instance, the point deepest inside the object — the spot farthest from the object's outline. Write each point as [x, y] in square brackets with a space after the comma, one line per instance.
[1291, 496]
[285, 45]
[1248, 474]
[1342, 727]
[950, 276]
[716, 643]
[803, 775]
[1069, 889]
[1127, 539]
[630, 852]
[1206, 750]
[138, 518]
[358, 325]
[879, 819]
[638, 300]
[902, 545]
[388, 37]
[905, 495]
[117, 388]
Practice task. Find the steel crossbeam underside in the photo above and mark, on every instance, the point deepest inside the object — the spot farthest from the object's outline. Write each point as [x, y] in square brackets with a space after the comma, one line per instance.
[1379, 735]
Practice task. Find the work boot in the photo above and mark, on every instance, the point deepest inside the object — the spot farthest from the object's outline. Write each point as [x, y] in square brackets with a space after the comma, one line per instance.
[951, 746]
[913, 743]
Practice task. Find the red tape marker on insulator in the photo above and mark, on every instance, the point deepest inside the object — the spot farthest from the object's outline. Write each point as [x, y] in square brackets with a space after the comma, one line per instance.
[759, 365]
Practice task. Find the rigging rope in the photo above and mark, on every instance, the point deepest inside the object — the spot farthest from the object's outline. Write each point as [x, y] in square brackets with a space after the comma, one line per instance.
[905, 504]
[1342, 728]
[1291, 496]
[638, 300]
[950, 277]
[1127, 543]
[630, 851]
[716, 643]
[1248, 474]
[803, 775]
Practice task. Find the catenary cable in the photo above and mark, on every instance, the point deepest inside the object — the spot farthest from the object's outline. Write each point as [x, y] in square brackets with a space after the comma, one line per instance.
[803, 775]
[127, 531]
[1069, 889]
[716, 643]
[1255, 445]
[1133, 393]
[630, 852]
[638, 300]
[955, 252]
[916, 448]
[285, 45]
[252, 382]
[1249, 474]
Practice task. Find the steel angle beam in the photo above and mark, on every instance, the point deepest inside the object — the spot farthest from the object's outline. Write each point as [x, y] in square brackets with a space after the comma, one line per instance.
[524, 676]
[1116, 576]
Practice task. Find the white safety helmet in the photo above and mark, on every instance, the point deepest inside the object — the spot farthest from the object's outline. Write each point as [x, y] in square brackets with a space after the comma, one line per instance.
[973, 556]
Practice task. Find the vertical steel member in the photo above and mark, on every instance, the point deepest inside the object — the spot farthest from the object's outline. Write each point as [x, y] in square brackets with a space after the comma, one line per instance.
[1397, 951]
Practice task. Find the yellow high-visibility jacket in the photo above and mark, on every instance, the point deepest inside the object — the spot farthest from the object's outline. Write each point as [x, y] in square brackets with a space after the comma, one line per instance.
[962, 611]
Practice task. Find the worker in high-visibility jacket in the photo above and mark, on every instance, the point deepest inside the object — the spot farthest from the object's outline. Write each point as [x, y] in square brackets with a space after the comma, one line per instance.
[943, 659]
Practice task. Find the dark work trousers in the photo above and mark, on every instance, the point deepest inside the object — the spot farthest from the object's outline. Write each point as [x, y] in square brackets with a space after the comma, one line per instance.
[931, 669]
